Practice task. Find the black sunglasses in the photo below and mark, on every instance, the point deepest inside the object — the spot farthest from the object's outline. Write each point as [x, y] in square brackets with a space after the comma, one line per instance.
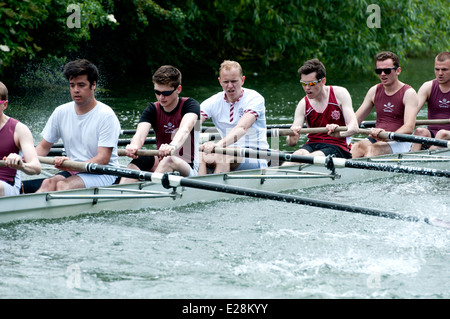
[165, 93]
[386, 71]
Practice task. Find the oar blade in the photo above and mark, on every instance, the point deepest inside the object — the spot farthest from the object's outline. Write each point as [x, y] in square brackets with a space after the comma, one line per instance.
[438, 222]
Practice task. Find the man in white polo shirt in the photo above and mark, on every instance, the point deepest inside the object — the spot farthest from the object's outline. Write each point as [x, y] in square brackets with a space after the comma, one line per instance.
[239, 114]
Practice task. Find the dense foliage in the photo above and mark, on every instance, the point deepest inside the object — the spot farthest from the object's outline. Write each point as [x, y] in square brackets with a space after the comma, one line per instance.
[136, 36]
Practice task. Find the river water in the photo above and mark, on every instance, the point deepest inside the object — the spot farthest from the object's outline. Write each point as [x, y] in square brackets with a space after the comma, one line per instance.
[242, 248]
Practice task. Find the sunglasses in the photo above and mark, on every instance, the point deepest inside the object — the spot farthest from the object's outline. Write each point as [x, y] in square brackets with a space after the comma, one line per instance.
[3, 101]
[312, 83]
[165, 93]
[386, 71]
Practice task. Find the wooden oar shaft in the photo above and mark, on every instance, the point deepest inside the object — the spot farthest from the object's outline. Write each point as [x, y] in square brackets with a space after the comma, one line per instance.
[122, 152]
[72, 165]
[309, 130]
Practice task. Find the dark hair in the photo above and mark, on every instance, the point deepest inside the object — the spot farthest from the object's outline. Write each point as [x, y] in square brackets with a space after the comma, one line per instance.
[441, 57]
[81, 67]
[382, 56]
[167, 74]
[3, 92]
[311, 66]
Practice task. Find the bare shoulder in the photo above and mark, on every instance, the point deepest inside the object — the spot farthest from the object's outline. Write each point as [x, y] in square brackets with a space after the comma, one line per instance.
[426, 87]
[340, 91]
[22, 129]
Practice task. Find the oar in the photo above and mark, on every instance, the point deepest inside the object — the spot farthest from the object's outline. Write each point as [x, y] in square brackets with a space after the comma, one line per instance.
[368, 124]
[410, 138]
[330, 162]
[121, 152]
[169, 181]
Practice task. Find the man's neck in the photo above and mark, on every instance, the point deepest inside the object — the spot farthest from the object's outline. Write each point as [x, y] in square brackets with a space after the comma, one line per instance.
[85, 108]
[3, 120]
[393, 88]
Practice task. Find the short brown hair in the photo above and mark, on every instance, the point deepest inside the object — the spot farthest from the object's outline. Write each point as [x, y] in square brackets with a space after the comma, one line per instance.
[167, 75]
[382, 56]
[311, 66]
[441, 57]
[3, 92]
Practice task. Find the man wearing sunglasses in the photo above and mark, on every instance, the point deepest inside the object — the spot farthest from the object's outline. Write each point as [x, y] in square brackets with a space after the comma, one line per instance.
[15, 138]
[396, 107]
[173, 118]
[436, 93]
[239, 114]
[323, 106]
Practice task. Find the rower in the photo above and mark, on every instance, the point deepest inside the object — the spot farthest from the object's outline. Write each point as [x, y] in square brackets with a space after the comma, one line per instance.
[323, 106]
[15, 139]
[396, 107]
[239, 114]
[174, 120]
[89, 130]
[437, 95]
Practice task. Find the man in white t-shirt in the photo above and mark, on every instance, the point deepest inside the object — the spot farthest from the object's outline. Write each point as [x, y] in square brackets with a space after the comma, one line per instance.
[88, 129]
[239, 114]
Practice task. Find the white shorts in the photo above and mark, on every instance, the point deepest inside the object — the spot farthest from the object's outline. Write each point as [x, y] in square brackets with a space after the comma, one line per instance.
[9, 190]
[252, 163]
[94, 180]
[399, 147]
[193, 171]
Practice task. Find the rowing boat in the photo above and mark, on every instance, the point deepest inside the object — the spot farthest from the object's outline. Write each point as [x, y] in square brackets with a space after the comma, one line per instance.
[149, 194]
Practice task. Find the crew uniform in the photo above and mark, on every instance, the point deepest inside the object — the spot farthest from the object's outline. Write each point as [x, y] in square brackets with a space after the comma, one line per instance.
[332, 114]
[390, 111]
[9, 177]
[165, 125]
[226, 115]
[438, 108]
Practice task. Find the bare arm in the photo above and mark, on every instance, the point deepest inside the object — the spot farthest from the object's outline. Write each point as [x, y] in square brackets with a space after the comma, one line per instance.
[299, 119]
[24, 140]
[345, 100]
[424, 93]
[138, 139]
[410, 100]
[43, 148]
[367, 105]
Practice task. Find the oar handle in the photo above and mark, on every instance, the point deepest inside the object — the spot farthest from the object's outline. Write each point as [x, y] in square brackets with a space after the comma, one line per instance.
[309, 130]
[122, 152]
[383, 135]
[72, 165]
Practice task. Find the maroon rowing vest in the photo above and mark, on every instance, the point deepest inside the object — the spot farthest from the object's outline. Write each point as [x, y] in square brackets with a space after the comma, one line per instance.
[438, 107]
[7, 146]
[168, 124]
[332, 114]
[390, 109]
